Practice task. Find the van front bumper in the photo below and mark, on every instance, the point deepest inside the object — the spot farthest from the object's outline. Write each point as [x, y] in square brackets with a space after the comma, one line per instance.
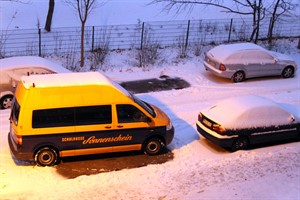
[17, 150]
[170, 135]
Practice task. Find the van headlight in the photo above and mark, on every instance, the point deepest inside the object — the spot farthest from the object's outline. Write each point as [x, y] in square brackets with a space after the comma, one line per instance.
[169, 126]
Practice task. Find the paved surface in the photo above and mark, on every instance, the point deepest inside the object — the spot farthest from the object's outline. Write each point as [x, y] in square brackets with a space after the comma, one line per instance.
[155, 84]
[73, 167]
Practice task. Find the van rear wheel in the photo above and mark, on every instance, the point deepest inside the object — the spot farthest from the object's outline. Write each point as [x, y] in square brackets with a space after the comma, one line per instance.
[153, 146]
[46, 157]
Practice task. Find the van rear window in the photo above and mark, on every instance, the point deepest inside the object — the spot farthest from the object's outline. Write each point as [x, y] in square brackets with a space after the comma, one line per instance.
[58, 117]
[15, 111]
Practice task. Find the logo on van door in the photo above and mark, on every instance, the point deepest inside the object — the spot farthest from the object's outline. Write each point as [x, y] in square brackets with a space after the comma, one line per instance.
[94, 140]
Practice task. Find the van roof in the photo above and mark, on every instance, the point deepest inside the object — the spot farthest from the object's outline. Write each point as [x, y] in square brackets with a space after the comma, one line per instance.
[30, 61]
[66, 79]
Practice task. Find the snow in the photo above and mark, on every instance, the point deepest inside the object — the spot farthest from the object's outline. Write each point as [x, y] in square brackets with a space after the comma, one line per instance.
[225, 50]
[198, 169]
[30, 61]
[250, 111]
[67, 79]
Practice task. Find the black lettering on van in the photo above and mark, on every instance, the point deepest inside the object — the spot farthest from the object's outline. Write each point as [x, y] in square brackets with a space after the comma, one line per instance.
[94, 140]
[72, 139]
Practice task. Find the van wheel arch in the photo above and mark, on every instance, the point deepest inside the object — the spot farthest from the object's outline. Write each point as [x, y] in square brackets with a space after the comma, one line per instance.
[153, 145]
[46, 156]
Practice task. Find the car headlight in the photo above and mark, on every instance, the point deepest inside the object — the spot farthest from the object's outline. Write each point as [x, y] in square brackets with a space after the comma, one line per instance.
[169, 126]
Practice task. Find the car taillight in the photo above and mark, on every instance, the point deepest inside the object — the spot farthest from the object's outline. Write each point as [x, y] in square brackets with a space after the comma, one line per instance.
[19, 140]
[218, 128]
[199, 117]
[222, 67]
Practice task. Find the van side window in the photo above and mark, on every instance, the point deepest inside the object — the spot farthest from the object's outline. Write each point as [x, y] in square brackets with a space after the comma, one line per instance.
[53, 117]
[129, 113]
[71, 116]
[93, 115]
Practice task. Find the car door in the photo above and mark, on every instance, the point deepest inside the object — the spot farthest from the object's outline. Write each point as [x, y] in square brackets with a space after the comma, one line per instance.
[268, 64]
[132, 122]
[251, 63]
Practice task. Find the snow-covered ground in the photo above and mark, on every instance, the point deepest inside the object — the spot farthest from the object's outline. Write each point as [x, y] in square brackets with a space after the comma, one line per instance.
[199, 169]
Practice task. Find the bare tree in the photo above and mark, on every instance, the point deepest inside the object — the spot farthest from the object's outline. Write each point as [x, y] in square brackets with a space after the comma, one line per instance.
[277, 9]
[49, 15]
[83, 8]
[255, 8]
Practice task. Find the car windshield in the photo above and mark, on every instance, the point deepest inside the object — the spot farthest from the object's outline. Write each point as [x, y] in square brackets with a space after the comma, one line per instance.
[144, 105]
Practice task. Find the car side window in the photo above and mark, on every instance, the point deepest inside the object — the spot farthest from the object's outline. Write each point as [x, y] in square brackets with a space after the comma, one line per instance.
[129, 113]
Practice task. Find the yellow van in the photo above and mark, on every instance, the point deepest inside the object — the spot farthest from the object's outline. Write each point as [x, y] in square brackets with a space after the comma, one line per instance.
[61, 115]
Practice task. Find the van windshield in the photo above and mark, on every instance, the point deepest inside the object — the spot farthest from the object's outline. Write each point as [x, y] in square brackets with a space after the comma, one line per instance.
[15, 112]
[144, 105]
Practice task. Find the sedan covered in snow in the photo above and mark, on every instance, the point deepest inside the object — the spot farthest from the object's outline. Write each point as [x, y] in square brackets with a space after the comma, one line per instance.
[239, 122]
[11, 70]
[247, 60]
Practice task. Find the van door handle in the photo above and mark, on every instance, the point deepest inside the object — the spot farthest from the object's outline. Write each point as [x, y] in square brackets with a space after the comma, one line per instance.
[107, 126]
[120, 126]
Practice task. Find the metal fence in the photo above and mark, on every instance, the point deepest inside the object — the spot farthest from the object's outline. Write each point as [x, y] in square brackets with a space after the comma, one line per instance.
[165, 33]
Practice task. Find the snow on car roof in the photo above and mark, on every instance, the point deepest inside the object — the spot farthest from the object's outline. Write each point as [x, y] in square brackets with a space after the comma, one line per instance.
[30, 61]
[223, 51]
[250, 112]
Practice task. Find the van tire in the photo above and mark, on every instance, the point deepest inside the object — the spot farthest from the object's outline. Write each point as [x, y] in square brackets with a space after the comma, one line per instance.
[46, 156]
[153, 146]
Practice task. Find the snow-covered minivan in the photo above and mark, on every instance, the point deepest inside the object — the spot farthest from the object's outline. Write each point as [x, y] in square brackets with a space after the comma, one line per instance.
[61, 115]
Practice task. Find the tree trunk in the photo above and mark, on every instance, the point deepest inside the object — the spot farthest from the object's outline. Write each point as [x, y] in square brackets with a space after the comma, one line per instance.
[299, 43]
[82, 44]
[272, 22]
[50, 15]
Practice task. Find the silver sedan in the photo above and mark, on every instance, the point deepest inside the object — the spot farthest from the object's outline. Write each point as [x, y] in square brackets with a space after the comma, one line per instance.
[247, 60]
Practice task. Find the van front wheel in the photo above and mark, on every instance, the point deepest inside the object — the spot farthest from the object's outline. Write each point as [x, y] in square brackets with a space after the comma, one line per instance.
[46, 157]
[153, 146]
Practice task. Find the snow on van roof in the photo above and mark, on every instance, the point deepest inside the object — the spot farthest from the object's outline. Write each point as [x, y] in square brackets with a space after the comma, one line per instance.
[65, 79]
[250, 111]
[222, 52]
[30, 61]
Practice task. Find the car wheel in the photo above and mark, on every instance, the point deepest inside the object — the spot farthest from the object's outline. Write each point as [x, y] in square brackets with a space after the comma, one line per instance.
[240, 144]
[46, 157]
[153, 146]
[238, 77]
[6, 101]
[288, 72]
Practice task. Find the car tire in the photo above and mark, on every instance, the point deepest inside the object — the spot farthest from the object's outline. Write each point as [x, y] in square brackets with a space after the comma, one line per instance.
[153, 146]
[287, 72]
[6, 101]
[46, 157]
[238, 77]
[240, 143]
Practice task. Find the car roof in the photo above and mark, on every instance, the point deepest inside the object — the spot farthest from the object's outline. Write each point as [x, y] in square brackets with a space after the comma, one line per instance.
[30, 61]
[238, 112]
[223, 51]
